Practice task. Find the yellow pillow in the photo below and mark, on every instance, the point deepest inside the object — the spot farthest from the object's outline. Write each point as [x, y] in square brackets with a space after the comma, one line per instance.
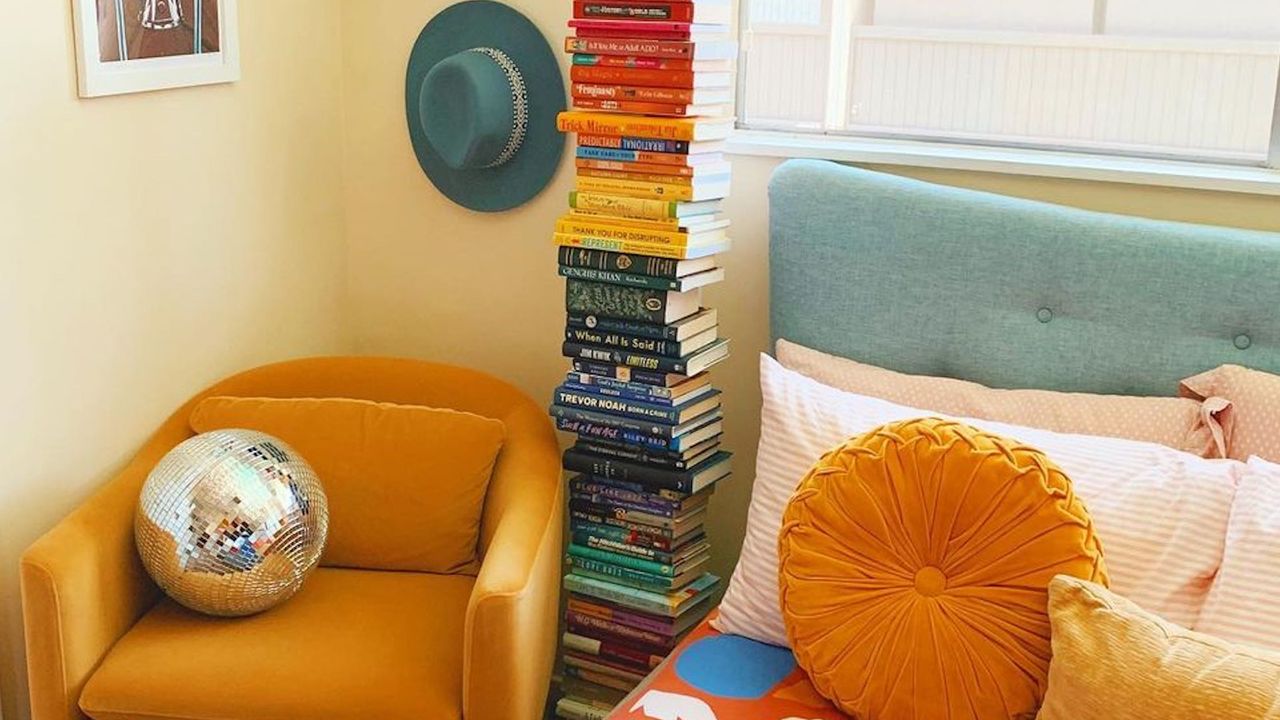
[406, 484]
[914, 565]
[1114, 661]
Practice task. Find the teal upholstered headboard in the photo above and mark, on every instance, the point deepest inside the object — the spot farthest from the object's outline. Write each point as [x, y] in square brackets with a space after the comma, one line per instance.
[936, 280]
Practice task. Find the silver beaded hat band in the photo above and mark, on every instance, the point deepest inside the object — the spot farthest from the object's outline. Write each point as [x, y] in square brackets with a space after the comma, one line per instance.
[519, 103]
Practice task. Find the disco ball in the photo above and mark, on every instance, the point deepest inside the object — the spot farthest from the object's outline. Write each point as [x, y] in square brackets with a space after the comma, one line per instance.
[231, 522]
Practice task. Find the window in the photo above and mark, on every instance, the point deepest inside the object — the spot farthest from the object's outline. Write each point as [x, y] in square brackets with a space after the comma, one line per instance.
[1175, 79]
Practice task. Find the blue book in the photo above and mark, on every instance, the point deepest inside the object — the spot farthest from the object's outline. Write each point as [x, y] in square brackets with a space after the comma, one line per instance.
[588, 430]
[667, 414]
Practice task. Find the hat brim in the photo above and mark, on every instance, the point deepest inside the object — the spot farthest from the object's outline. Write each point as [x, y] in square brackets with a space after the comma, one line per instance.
[483, 23]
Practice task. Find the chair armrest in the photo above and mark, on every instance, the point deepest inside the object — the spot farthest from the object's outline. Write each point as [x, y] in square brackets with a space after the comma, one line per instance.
[511, 625]
[83, 587]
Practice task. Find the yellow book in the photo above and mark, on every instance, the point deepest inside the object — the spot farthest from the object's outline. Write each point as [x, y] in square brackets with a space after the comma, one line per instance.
[573, 226]
[687, 129]
[634, 207]
[676, 252]
[694, 224]
[653, 191]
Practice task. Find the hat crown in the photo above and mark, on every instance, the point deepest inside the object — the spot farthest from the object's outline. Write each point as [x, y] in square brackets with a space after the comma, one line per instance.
[474, 108]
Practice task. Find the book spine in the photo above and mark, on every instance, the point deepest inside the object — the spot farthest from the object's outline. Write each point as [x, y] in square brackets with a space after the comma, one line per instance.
[604, 556]
[640, 361]
[668, 501]
[662, 95]
[621, 246]
[570, 709]
[619, 155]
[637, 107]
[572, 383]
[658, 30]
[632, 61]
[578, 461]
[620, 372]
[583, 518]
[604, 667]
[639, 208]
[574, 226]
[617, 406]
[616, 278]
[621, 513]
[621, 594]
[622, 422]
[609, 432]
[579, 623]
[615, 301]
[635, 167]
[638, 391]
[633, 532]
[598, 679]
[636, 144]
[672, 12]
[655, 622]
[622, 548]
[634, 578]
[618, 505]
[637, 176]
[624, 342]
[643, 48]
[627, 125]
[611, 651]
[640, 541]
[680, 79]
[635, 188]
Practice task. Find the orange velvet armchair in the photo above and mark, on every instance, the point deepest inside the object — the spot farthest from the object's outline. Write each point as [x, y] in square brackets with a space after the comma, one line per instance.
[103, 643]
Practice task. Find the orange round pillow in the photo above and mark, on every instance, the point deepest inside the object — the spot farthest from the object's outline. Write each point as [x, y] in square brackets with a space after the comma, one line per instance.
[914, 565]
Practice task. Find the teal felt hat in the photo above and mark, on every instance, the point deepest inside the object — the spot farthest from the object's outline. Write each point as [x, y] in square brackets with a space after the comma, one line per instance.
[482, 93]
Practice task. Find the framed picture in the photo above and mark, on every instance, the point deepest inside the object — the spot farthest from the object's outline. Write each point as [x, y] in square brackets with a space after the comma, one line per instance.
[128, 46]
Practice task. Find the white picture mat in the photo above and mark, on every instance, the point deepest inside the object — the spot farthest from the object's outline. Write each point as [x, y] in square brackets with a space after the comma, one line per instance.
[99, 78]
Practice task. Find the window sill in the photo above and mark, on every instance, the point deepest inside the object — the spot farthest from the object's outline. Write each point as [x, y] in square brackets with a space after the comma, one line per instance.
[1014, 161]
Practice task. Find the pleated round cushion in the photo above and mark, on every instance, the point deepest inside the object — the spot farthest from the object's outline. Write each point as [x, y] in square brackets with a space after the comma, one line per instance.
[914, 565]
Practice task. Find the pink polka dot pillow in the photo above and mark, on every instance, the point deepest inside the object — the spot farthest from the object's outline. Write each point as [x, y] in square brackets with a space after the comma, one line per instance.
[1198, 426]
[1255, 399]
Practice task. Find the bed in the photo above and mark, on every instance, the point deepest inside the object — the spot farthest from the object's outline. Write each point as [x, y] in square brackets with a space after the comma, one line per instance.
[934, 280]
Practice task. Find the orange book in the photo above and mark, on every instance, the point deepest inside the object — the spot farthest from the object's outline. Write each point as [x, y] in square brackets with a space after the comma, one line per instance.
[637, 126]
[648, 108]
[671, 96]
[654, 169]
[638, 177]
[649, 78]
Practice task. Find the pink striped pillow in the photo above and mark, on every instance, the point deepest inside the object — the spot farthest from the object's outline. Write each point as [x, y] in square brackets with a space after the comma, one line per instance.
[1244, 602]
[1161, 513]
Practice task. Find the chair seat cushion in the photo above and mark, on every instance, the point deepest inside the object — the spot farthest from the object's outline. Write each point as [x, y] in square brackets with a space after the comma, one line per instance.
[351, 644]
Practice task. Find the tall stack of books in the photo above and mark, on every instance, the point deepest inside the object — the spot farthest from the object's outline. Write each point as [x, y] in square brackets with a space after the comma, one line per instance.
[652, 86]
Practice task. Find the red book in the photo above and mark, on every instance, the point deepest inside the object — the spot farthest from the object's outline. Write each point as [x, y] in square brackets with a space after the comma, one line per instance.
[646, 29]
[650, 11]
[678, 79]
[650, 48]
[651, 63]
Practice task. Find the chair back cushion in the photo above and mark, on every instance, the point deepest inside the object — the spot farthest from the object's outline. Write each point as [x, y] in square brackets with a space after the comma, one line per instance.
[406, 484]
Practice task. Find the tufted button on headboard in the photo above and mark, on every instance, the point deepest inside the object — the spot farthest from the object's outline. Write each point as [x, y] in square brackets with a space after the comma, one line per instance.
[1013, 293]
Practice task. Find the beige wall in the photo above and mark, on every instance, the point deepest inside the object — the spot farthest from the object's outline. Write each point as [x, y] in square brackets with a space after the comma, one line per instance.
[151, 244]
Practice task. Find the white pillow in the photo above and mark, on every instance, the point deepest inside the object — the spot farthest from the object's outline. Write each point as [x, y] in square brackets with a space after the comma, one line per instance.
[1161, 514]
[1244, 602]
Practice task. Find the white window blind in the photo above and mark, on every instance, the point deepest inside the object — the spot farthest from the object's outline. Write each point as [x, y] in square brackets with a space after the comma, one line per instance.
[1180, 79]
